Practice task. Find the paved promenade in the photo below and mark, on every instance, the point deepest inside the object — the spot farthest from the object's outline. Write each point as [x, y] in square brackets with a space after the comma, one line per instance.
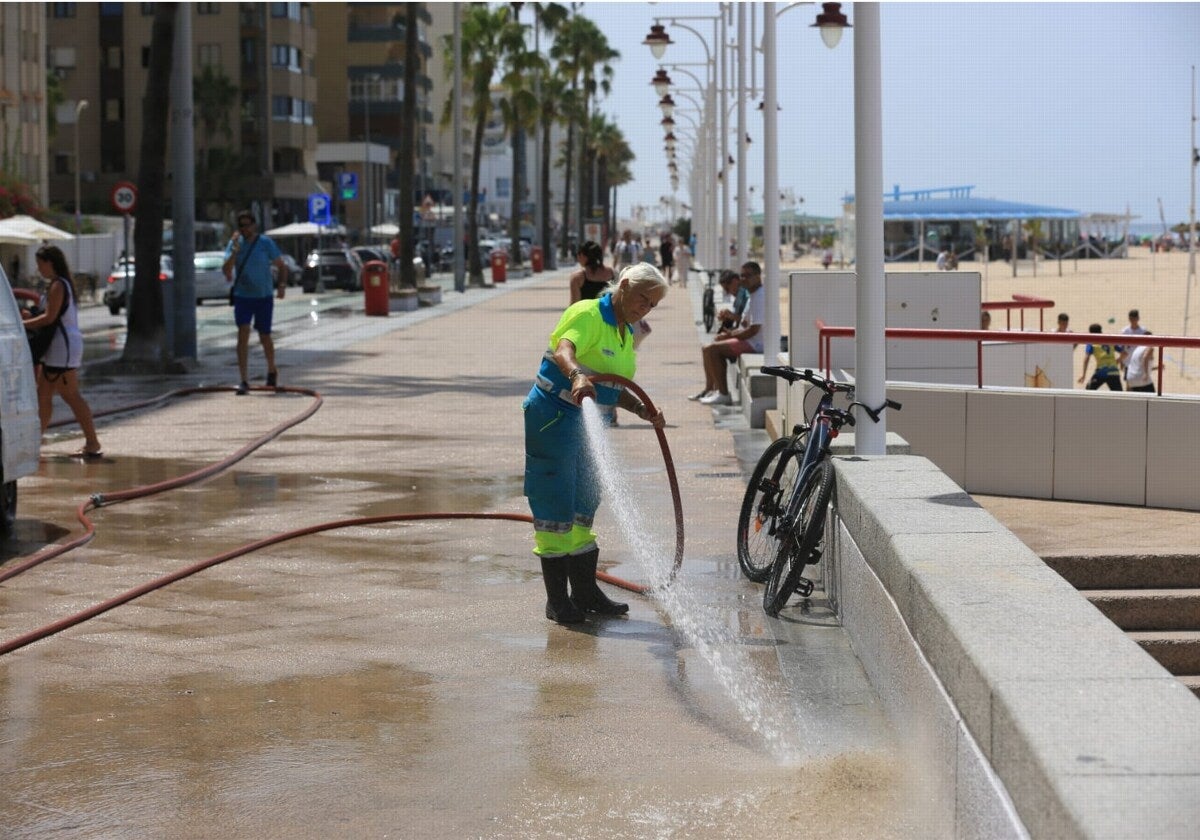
[400, 679]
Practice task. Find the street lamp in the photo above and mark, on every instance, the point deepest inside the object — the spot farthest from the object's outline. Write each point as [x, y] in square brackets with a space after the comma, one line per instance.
[667, 104]
[657, 40]
[831, 22]
[661, 82]
[79, 106]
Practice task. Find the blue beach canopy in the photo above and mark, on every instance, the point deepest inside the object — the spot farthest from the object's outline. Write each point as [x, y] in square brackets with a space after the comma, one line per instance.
[966, 208]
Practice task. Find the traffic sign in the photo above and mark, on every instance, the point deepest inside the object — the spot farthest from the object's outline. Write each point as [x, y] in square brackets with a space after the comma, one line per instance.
[318, 209]
[348, 185]
[124, 197]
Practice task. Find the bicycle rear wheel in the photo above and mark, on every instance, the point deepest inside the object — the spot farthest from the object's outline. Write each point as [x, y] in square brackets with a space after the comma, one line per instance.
[767, 495]
[800, 547]
[710, 310]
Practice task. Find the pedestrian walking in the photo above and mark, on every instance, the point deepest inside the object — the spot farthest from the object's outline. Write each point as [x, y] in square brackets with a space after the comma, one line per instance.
[58, 370]
[248, 260]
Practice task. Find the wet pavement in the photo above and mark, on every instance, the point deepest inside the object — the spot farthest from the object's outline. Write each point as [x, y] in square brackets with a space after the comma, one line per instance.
[400, 680]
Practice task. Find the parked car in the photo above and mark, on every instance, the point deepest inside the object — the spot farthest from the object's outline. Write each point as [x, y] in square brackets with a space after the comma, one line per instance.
[120, 281]
[368, 254]
[20, 428]
[294, 271]
[210, 279]
[338, 268]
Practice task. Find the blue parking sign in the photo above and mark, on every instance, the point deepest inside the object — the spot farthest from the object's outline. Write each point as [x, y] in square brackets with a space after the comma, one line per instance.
[348, 185]
[318, 209]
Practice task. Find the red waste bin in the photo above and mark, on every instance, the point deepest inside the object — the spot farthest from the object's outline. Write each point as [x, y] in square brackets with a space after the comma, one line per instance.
[499, 266]
[535, 259]
[375, 287]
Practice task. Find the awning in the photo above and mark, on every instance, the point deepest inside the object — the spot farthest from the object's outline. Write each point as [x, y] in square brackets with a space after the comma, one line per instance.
[962, 208]
[305, 229]
[31, 229]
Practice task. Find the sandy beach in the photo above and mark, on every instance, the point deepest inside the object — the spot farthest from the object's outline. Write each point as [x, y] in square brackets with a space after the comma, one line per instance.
[1090, 291]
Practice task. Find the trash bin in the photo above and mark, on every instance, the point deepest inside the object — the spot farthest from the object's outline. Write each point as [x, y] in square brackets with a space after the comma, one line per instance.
[535, 259]
[375, 287]
[499, 266]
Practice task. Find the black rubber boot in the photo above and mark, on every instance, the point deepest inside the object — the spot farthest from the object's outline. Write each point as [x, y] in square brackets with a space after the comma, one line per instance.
[585, 592]
[558, 606]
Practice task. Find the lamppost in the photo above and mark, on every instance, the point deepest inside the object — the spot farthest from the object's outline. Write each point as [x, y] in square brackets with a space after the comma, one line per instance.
[715, 226]
[79, 106]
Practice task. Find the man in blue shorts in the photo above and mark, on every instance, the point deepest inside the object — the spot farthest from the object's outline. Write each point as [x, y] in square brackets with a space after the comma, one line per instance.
[248, 260]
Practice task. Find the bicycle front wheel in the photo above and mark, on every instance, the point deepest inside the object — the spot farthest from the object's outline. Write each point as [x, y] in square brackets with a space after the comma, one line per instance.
[767, 495]
[710, 310]
[799, 546]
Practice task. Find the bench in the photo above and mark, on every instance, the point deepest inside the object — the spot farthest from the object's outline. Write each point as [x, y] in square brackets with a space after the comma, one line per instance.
[755, 390]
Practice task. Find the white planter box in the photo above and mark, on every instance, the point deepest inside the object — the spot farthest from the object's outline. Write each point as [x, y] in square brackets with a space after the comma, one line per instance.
[402, 303]
[430, 295]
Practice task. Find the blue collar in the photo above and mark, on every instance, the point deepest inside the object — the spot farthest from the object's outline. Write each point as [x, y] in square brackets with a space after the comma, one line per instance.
[608, 310]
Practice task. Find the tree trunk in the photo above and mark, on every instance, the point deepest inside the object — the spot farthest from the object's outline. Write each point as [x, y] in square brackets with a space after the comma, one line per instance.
[145, 344]
[569, 159]
[544, 198]
[408, 143]
[474, 263]
[518, 189]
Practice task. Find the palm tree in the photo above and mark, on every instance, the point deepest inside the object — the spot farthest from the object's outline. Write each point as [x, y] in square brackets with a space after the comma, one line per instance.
[610, 154]
[145, 342]
[482, 29]
[583, 54]
[519, 109]
[551, 90]
[214, 95]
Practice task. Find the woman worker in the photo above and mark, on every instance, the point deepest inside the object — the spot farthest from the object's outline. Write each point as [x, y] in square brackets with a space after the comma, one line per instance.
[592, 337]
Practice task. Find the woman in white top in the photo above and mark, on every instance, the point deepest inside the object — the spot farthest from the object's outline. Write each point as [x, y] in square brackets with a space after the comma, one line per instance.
[59, 369]
[683, 260]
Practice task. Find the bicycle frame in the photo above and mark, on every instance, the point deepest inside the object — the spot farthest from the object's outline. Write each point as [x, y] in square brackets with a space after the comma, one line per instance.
[820, 432]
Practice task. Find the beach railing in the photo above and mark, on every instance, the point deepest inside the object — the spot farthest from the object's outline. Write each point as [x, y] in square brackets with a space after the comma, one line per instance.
[1021, 303]
[826, 334]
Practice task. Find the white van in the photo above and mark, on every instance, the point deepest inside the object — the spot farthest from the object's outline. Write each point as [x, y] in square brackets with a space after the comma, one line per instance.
[20, 428]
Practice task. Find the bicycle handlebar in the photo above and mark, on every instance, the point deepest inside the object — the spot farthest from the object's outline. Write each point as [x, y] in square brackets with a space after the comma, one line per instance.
[830, 387]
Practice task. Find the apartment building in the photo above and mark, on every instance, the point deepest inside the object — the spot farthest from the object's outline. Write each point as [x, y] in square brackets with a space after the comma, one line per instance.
[360, 68]
[255, 102]
[23, 121]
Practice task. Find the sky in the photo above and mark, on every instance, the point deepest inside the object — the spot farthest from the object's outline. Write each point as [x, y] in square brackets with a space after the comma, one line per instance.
[1084, 106]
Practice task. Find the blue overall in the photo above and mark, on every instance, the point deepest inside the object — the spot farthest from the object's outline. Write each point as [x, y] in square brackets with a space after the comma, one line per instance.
[560, 480]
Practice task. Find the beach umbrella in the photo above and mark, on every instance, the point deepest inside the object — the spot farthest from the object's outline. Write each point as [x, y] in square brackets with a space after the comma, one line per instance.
[31, 228]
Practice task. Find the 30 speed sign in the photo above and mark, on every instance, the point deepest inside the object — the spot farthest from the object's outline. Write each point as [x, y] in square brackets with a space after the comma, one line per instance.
[124, 197]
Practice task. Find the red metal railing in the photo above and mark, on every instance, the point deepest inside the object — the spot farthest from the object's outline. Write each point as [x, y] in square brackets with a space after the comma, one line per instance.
[826, 334]
[1021, 302]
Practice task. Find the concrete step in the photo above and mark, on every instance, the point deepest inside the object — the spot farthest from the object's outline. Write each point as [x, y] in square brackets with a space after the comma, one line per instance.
[1148, 609]
[1177, 651]
[1150, 571]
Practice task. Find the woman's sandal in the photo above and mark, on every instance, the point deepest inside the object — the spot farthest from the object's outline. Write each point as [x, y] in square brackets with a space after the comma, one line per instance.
[85, 454]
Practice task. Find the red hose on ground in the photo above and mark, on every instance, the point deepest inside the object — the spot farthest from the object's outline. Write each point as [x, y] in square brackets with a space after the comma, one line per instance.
[98, 500]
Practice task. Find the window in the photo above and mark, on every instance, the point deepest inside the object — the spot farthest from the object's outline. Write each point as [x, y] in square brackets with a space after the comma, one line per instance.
[208, 8]
[290, 11]
[285, 56]
[112, 9]
[62, 164]
[63, 10]
[145, 56]
[113, 58]
[310, 110]
[249, 50]
[280, 107]
[114, 110]
[208, 55]
[147, 9]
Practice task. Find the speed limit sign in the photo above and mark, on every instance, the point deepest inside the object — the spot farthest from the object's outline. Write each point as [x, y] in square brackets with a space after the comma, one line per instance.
[124, 197]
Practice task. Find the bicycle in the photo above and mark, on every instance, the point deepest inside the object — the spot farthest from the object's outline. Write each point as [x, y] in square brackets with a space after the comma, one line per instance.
[709, 305]
[782, 520]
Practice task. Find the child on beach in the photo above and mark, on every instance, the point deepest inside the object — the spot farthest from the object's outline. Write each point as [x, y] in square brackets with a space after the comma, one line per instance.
[1109, 358]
